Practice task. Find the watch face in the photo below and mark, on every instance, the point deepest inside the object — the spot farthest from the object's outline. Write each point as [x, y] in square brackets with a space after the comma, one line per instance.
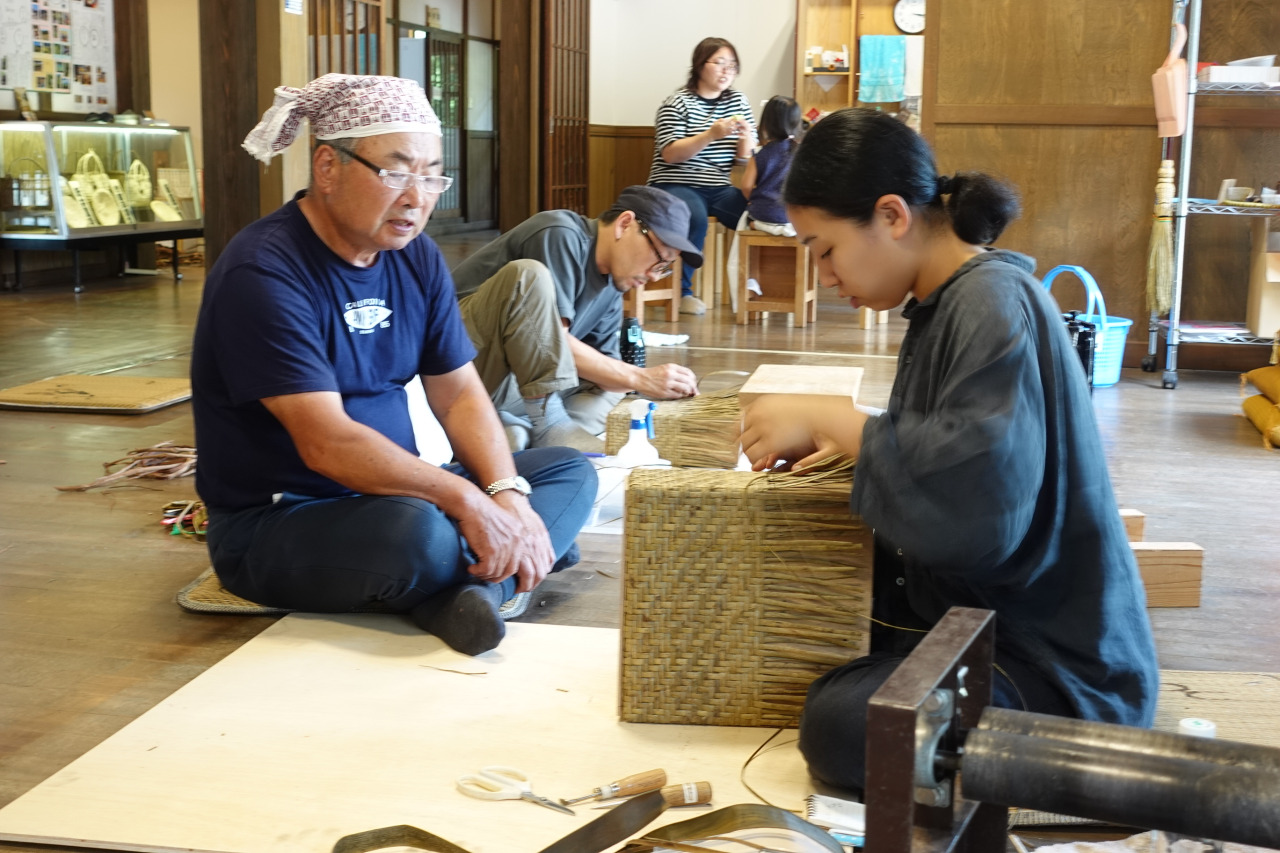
[909, 15]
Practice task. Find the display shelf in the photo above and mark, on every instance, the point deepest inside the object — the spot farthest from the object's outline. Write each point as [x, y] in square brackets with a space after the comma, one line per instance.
[73, 186]
[1225, 209]
[1237, 89]
[1261, 305]
[1218, 333]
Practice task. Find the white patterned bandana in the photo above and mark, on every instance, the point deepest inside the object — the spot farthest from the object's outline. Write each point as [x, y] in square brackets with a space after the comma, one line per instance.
[342, 105]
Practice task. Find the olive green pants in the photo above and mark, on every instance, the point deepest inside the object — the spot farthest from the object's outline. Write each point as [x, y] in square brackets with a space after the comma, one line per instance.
[514, 322]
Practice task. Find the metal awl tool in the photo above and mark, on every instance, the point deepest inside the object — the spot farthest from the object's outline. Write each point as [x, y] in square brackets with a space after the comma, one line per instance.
[638, 783]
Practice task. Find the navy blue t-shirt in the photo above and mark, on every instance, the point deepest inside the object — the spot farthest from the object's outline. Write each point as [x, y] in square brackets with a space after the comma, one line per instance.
[282, 314]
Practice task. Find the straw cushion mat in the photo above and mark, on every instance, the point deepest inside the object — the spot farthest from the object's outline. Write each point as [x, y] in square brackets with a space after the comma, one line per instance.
[109, 394]
[696, 432]
[740, 589]
[206, 594]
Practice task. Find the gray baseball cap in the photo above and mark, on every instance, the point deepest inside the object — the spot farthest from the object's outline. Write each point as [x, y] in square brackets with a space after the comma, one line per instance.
[665, 215]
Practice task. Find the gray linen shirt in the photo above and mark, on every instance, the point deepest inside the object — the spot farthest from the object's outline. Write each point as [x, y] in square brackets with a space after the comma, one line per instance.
[565, 243]
[987, 486]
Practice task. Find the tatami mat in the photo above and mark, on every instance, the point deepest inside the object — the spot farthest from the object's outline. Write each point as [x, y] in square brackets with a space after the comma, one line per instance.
[108, 394]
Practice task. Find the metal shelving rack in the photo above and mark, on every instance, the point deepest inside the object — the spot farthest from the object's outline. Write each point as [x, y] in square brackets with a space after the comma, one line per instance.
[1185, 206]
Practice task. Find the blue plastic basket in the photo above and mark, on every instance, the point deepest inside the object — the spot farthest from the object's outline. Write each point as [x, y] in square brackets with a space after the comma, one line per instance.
[1112, 331]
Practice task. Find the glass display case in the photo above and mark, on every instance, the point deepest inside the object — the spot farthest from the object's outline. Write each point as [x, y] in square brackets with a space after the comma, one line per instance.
[67, 181]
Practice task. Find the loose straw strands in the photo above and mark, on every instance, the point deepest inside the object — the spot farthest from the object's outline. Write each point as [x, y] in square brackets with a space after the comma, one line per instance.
[163, 461]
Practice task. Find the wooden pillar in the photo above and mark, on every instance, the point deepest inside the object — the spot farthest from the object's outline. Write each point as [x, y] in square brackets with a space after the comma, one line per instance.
[516, 114]
[246, 50]
[133, 62]
[229, 110]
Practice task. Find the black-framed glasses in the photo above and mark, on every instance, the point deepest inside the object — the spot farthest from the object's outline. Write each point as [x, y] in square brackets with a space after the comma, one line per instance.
[724, 64]
[434, 184]
[663, 266]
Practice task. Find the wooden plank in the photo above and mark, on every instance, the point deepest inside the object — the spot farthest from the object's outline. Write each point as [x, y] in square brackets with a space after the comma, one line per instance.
[1170, 571]
[1135, 522]
[805, 380]
[282, 732]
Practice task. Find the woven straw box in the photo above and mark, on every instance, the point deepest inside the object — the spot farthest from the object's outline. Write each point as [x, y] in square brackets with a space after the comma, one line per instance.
[740, 589]
[697, 432]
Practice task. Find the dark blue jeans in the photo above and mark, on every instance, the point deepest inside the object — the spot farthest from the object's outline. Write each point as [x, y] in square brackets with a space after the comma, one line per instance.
[724, 203]
[335, 555]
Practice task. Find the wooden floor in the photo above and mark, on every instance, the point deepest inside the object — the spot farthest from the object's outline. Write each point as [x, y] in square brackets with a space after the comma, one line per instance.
[90, 637]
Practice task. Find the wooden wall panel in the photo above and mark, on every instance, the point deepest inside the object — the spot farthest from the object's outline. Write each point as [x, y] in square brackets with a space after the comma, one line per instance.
[620, 156]
[1078, 52]
[1098, 217]
[1060, 103]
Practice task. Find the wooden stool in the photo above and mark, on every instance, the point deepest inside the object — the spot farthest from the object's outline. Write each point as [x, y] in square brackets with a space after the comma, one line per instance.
[707, 279]
[664, 290]
[781, 266]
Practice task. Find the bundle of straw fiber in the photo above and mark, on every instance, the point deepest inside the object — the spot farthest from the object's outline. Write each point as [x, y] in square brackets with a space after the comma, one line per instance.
[696, 432]
[1262, 409]
[163, 461]
[1160, 254]
[740, 589]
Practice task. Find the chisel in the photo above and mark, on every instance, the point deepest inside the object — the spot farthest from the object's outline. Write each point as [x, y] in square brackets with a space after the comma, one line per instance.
[638, 783]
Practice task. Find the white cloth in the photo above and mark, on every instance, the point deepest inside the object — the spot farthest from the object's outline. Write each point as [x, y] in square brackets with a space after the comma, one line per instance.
[342, 106]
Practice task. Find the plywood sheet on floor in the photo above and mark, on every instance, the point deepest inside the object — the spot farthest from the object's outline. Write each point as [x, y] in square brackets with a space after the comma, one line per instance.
[323, 726]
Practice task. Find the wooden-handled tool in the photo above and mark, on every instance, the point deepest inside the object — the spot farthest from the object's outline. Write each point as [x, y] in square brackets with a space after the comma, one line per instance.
[677, 796]
[687, 794]
[638, 783]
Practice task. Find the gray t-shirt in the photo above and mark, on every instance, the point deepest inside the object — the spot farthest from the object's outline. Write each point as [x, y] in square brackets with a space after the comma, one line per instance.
[564, 242]
[987, 486]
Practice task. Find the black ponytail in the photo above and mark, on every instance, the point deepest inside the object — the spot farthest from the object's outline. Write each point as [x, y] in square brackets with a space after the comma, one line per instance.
[853, 157]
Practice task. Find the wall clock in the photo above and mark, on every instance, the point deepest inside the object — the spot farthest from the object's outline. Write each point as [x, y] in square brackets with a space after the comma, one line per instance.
[909, 15]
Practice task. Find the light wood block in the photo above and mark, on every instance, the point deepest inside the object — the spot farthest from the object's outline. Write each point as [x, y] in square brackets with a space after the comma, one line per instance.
[1135, 523]
[327, 725]
[801, 379]
[1170, 572]
[1263, 305]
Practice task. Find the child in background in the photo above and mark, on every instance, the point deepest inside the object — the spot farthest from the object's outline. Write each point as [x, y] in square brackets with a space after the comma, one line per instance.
[765, 174]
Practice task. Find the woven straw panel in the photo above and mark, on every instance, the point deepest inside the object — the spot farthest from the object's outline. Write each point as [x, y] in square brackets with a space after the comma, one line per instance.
[696, 432]
[740, 589]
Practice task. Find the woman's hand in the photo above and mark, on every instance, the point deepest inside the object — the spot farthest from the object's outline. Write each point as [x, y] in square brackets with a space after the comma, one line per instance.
[725, 127]
[799, 431]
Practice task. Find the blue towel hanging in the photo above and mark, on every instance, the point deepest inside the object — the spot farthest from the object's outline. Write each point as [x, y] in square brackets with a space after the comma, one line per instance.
[882, 63]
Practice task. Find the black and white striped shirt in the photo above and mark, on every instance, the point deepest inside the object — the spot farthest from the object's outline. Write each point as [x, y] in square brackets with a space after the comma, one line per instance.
[686, 114]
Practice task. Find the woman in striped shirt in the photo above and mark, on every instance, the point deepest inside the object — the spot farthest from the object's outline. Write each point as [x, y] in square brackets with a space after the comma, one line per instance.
[700, 132]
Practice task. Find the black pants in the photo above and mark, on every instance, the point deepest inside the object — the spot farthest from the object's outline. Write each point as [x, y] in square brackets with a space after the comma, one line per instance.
[833, 728]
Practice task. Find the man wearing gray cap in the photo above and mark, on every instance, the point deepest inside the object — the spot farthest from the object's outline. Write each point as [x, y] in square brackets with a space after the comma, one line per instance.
[543, 306]
[313, 320]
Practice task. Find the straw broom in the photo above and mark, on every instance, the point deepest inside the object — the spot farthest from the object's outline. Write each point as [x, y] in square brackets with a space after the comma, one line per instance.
[1160, 254]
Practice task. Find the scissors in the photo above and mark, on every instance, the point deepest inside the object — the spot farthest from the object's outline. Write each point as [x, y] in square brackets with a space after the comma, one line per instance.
[504, 783]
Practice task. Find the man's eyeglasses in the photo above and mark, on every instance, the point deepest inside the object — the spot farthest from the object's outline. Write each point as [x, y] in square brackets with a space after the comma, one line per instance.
[663, 266]
[434, 184]
[724, 64]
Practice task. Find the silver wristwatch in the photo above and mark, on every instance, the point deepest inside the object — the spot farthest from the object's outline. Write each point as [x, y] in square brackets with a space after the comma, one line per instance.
[518, 484]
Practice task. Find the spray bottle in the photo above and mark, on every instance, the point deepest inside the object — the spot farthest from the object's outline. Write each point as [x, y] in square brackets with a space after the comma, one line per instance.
[638, 451]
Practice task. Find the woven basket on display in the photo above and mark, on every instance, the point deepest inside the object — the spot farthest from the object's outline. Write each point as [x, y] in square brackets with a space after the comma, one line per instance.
[740, 589]
[696, 432]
